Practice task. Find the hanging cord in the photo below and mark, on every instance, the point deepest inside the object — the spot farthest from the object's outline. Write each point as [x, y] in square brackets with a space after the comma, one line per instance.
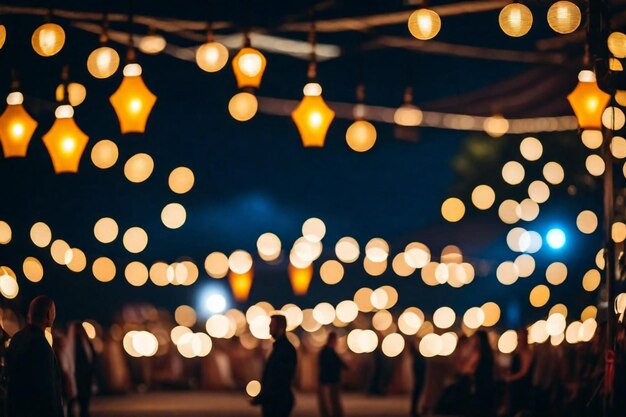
[15, 82]
[65, 75]
[131, 55]
[312, 72]
[210, 37]
[104, 35]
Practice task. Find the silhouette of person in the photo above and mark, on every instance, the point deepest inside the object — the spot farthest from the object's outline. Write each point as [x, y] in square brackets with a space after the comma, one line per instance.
[84, 355]
[329, 383]
[483, 378]
[418, 366]
[33, 372]
[276, 398]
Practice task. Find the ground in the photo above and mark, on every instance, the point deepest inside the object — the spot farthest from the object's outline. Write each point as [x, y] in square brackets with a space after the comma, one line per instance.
[220, 404]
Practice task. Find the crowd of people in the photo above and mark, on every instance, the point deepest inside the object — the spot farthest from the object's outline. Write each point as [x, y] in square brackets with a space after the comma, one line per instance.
[539, 380]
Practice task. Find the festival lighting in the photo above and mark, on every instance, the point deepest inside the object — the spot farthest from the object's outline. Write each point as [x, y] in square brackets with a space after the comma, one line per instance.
[3, 35]
[103, 62]
[152, 44]
[133, 101]
[564, 17]
[617, 44]
[556, 238]
[16, 127]
[515, 19]
[300, 279]
[249, 65]
[243, 106]
[424, 24]
[312, 116]
[588, 101]
[48, 39]
[361, 136]
[104, 154]
[240, 284]
[65, 141]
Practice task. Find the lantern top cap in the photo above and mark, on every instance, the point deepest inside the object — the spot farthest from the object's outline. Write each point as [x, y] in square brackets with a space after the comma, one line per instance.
[15, 98]
[132, 70]
[312, 90]
[587, 76]
[64, 111]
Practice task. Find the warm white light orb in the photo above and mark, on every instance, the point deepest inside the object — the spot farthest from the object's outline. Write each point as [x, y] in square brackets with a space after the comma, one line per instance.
[243, 106]
[424, 24]
[515, 19]
[211, 56]
[361, 136]
[103, 62]
[564, 17]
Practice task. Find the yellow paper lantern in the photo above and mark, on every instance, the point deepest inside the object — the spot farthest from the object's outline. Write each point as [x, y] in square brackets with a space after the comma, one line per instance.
[617, 44]
[313, 117]
[564, 17]
[300, 279]
[515, 20]
[243, 106]
[588, 101]
[248, 66]
[211, 56]
[361, 136]
[103, 62]
[48, 39]
[16, 127]
[65, 141]
[3, 35]
[240, 284]
[424, 24]
[132, 101]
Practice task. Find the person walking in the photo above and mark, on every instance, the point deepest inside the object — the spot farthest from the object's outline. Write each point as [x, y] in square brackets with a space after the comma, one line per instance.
[276, 397]
[329, 381]
[33, 373]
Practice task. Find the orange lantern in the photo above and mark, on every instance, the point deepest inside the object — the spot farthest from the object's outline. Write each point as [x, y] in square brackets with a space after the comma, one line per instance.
[132, 101]
[240, 284]
[65, 141]
[300, 279]
[312, 116]
[588, 101]
[16, 127]
[249, 66]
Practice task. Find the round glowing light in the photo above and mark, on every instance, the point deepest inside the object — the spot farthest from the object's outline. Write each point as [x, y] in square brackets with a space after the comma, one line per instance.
[539, 296]
[243, 106]
[424, 24]
[444, 317]
[587, 222]
[240, 262]
[324, 313]
[48, 39]
[525, 265]
[530, 242]
[181, 180]
[347, 311]
[347, 250]
[377, 250]
[496, 126]
[613, 118]
[556, 238]
[492, 314]
[538, 332]
[572, 332]
[106, 230]
[553, 173]
[507, 273]
[515, 20]
[408, 115]
[361, 136]
[618, 232]
[555, 324]
[152, 44]
[5, 233]
[367, 341]
[431, 345]
[331, 272]
[527, 210]
[474, 318]
[136, 274]
[508, 211]
[76, 94]
[104, 154]
[591, 280]
[617, 44]
[216, 265]
[173, 215]
[253, 388]
[33, 270]
[400, 266]
[453, 209]
[539, 192]
[103, 62]
[483, 197]
[556, 273]
[218, 326]
[103, 269]
[507, 343]
[3, 35]
[417, 255]
[564, 17]
[215, 303]
[592, 139]
[393, 345]
[76, 262]
[9, 287]
[618, 147]
[58, 250]
[513, 172]
[374, 269]
[135, 239]
[211, 56]
[382, 320]
[513, 238]
[362, 298]
[595, 165]
[313, 229]
[139, 168]
[185, 316]
[268, 246]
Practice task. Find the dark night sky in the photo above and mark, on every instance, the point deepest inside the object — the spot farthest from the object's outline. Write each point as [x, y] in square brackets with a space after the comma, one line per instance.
[256, 177]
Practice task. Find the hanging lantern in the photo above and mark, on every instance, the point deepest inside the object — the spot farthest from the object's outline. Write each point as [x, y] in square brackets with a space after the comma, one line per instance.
[16, 127]
[424, 24]
[361, 136]
[103, 62]
[617, 44]
[243, 106]
[564, 17]
[312, 116]
[152, 44]
[588, 101]
[408, 115]
[515, 20]
[211, 56]
[3, 35]
[240, 284]
[65, 141]
[48, 39]
[300, 279]
[248, 66]
[133, 101]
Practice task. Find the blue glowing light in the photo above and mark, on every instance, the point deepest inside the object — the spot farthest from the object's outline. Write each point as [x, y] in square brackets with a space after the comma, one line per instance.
[213, 300]
[556, 238]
